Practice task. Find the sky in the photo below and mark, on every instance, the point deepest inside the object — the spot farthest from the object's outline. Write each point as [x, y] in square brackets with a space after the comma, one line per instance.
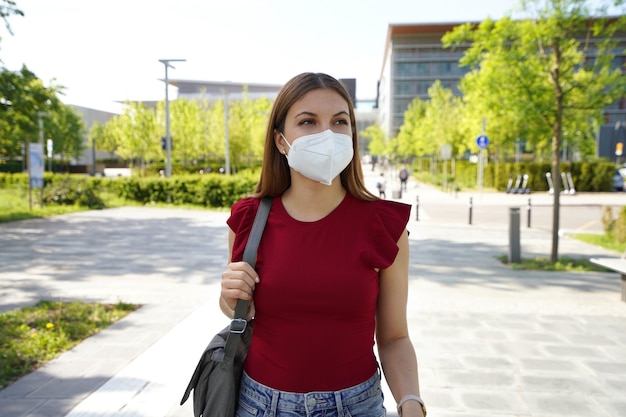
[105, 52]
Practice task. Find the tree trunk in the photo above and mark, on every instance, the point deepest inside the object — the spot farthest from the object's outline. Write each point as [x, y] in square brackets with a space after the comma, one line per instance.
[556, 146]
[556, 205]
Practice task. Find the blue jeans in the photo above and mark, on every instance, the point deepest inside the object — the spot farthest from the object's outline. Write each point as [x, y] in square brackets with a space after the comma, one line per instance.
[363, 400]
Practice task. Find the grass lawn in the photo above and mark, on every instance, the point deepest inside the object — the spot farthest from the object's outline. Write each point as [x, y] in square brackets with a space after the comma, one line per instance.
[31, 336]
[564, 263]
[14, 205]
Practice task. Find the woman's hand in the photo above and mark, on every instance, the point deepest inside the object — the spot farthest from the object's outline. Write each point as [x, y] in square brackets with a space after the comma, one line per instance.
[238, 282]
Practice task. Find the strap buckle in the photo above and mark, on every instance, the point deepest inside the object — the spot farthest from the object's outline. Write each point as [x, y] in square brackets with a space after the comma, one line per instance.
[238, 326]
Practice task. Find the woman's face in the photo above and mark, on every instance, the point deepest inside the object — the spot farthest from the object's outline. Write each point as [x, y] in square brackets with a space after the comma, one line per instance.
[318, 110]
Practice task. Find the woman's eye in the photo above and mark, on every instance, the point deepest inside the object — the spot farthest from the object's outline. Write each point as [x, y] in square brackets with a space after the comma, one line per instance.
[341, 122]
[306, 122]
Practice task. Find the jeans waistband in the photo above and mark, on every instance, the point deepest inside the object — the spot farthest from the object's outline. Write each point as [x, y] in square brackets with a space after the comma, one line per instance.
[312, 401]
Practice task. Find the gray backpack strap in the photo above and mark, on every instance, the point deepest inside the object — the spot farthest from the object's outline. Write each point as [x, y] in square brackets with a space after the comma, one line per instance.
[239, 323]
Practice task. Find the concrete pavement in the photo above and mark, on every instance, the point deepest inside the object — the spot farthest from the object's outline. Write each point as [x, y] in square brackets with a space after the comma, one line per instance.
[491, 341]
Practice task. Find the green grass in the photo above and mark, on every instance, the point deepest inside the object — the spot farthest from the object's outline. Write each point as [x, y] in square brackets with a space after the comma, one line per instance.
[564, 263]
[31, 336]
[605, 241]
[14, 205]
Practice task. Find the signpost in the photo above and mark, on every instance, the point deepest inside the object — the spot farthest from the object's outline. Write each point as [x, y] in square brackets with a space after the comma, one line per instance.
[482, 141]
[35, 171]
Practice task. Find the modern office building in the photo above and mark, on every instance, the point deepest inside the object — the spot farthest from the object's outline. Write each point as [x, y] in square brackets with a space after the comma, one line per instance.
[414, 59]
[217, 90]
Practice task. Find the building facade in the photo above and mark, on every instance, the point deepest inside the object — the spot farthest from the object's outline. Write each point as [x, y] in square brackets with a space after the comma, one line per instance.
[414, 59]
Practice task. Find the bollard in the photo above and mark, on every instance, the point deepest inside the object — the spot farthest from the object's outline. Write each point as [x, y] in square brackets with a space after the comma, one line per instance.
[514, 236]
[528, 215]
[470, 211]
[417, 208]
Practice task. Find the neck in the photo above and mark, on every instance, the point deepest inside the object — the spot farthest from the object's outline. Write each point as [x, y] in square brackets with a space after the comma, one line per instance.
[308, 200]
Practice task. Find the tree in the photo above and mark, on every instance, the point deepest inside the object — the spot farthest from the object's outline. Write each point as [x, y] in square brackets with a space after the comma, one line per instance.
[66, 129]
[187, 131]
[246, 126]
[410, 137]
[544, 73]
[376, 136]
[134, 135]
[22, 97]
[8, 8]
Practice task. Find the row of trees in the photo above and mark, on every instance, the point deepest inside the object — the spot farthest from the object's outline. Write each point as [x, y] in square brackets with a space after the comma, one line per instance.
[198, 130]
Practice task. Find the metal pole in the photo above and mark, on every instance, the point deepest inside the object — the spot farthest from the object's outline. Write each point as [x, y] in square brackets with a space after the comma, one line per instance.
[514, 236]
[470, 210]
[417, 208]
[168, 138]
[226, 136]
[528, 212]
[41, 114]
[93, 156]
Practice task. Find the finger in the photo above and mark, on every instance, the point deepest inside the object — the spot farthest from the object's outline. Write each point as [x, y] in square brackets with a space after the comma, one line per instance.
[247, 268]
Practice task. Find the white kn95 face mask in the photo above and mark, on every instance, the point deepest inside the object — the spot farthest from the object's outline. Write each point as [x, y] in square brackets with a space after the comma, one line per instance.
[320, 156]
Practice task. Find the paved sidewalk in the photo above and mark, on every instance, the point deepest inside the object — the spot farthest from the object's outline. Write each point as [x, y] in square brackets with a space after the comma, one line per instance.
[490, 341]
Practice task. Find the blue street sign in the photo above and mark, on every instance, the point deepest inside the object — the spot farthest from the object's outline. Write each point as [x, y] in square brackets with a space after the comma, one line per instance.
[482, 141]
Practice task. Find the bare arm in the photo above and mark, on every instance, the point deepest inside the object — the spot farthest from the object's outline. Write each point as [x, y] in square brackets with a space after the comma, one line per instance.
[238, 282]
[395, 349]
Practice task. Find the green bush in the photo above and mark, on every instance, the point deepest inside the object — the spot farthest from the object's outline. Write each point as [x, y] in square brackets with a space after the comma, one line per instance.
[208, 190]
[587, 176]
[72, 190]
[620, 226]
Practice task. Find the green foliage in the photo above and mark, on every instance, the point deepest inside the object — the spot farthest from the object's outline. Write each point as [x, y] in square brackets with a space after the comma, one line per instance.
[26, 100]
[620, 226]
[33, 335]
[209, 190]
[69, 190]
[606, 240]
[564, 263]
[615, 226]
[376, 140]
[608, 221]
[197, 133]
[587, 176]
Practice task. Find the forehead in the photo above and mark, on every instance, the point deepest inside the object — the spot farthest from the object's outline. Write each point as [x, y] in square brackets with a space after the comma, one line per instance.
[319, 101]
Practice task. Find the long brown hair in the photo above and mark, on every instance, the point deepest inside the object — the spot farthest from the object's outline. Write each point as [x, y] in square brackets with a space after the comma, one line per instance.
[275, 174]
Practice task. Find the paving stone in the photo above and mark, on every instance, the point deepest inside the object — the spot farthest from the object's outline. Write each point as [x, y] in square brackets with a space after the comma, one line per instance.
[491, 341]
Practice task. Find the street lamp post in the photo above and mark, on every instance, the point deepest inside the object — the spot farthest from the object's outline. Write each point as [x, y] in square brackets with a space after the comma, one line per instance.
[226, 136]
[168, 138]
[40, 116]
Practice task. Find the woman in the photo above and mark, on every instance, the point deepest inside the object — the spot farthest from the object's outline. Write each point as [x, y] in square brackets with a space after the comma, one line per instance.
[331, 271]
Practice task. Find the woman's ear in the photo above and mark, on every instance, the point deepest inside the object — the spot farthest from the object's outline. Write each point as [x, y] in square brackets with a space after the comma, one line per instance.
[279, 142]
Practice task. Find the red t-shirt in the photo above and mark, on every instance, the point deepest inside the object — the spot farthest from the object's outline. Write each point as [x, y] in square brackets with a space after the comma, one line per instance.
[316, 302]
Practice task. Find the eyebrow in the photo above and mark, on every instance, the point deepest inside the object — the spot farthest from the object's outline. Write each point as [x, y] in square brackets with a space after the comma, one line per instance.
[308, 113]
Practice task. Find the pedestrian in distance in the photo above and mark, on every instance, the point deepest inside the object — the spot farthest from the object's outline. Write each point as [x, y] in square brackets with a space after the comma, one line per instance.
[331, 277]
[404, 176]
[381, 185]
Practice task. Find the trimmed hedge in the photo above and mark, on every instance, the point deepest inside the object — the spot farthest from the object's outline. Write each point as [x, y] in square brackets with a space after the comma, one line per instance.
[222, 191]
[587, 176]
[209, 190]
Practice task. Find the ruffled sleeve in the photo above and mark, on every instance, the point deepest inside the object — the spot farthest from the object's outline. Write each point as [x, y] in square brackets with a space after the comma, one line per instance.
[389, 220]
[240, 222]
